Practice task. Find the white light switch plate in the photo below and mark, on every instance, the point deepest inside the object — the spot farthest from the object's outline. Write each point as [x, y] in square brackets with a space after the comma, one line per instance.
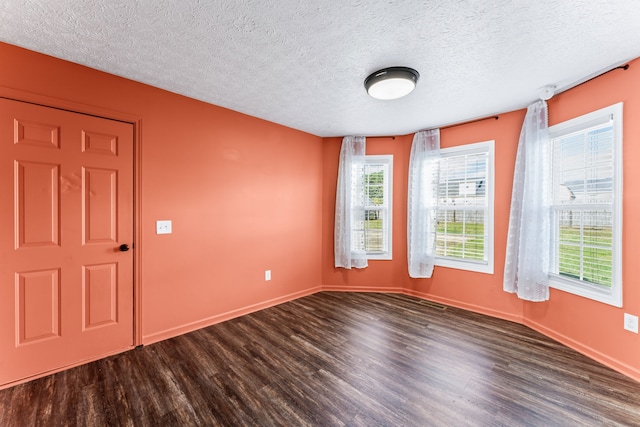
[163, 227]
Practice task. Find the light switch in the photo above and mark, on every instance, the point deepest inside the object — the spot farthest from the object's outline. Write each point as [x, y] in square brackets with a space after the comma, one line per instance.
[163, 227]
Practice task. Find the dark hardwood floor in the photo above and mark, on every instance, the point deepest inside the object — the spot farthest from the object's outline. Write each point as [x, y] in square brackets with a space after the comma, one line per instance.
[337, 359]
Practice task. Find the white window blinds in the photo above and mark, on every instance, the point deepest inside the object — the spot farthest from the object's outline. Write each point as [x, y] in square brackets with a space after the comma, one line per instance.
[586, 205]
[464, 235]
[372, 231]
[582, 207]
[462, 205]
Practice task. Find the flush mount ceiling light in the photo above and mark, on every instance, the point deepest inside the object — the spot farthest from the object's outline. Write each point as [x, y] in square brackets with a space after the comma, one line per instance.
[391, 83]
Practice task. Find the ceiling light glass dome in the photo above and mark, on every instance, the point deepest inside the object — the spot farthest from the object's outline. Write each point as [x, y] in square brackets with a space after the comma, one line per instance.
[391, 83]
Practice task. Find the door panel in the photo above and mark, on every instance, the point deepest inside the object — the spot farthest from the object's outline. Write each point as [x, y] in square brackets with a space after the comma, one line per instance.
[38, 306]
[99, 204]
[66, 205]
[37, 196]
[100, 291]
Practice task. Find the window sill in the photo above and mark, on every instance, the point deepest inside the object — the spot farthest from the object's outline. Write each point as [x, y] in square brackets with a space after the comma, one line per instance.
[379, 257]
[585, 290]
[478, 267]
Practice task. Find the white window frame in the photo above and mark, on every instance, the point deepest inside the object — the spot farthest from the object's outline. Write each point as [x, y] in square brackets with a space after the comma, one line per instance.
[387, 207]
[612, 296]
[470, 265]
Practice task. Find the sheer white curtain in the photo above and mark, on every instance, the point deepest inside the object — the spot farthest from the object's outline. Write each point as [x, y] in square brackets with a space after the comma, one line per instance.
[349, 250]
[526, 270]
[423, 202]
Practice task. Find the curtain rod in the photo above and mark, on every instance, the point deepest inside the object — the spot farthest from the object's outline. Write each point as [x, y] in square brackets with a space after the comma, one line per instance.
[442, 127]
[469, 122]
[624, 67]
[463, 123]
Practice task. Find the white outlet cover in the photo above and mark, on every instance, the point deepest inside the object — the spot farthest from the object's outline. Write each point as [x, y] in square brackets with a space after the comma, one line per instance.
[163, 227]
[631, 322]
[267, 275]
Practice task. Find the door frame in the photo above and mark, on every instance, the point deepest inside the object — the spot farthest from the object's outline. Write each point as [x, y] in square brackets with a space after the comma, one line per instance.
[136, 121]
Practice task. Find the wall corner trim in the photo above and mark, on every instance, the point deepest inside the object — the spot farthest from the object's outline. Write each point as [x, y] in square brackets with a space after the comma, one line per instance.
[614, 364]
[212, 320]
[384, 290]
[469, 307]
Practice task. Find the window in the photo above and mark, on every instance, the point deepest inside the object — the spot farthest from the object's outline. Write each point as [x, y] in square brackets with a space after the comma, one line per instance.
[464, 234]
[374, 233]
[586, 205]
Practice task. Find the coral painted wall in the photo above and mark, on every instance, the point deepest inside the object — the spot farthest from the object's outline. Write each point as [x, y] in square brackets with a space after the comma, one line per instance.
[244, 196]
[474, 291]
[592, 328]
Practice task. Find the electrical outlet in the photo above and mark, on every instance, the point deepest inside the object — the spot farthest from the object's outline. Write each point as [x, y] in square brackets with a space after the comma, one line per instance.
[267, 275]
[631, 323]
[163, 227]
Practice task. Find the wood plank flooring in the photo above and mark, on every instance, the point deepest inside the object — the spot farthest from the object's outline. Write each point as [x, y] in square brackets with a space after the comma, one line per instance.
[337, 359]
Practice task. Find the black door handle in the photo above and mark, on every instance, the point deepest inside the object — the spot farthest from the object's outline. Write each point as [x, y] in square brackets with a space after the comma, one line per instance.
[124, 247]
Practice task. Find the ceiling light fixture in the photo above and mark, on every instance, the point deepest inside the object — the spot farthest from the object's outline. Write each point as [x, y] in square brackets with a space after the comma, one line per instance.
[391, 83]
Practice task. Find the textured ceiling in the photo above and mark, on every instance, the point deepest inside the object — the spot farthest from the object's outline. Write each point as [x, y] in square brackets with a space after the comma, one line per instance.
[302, 63]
